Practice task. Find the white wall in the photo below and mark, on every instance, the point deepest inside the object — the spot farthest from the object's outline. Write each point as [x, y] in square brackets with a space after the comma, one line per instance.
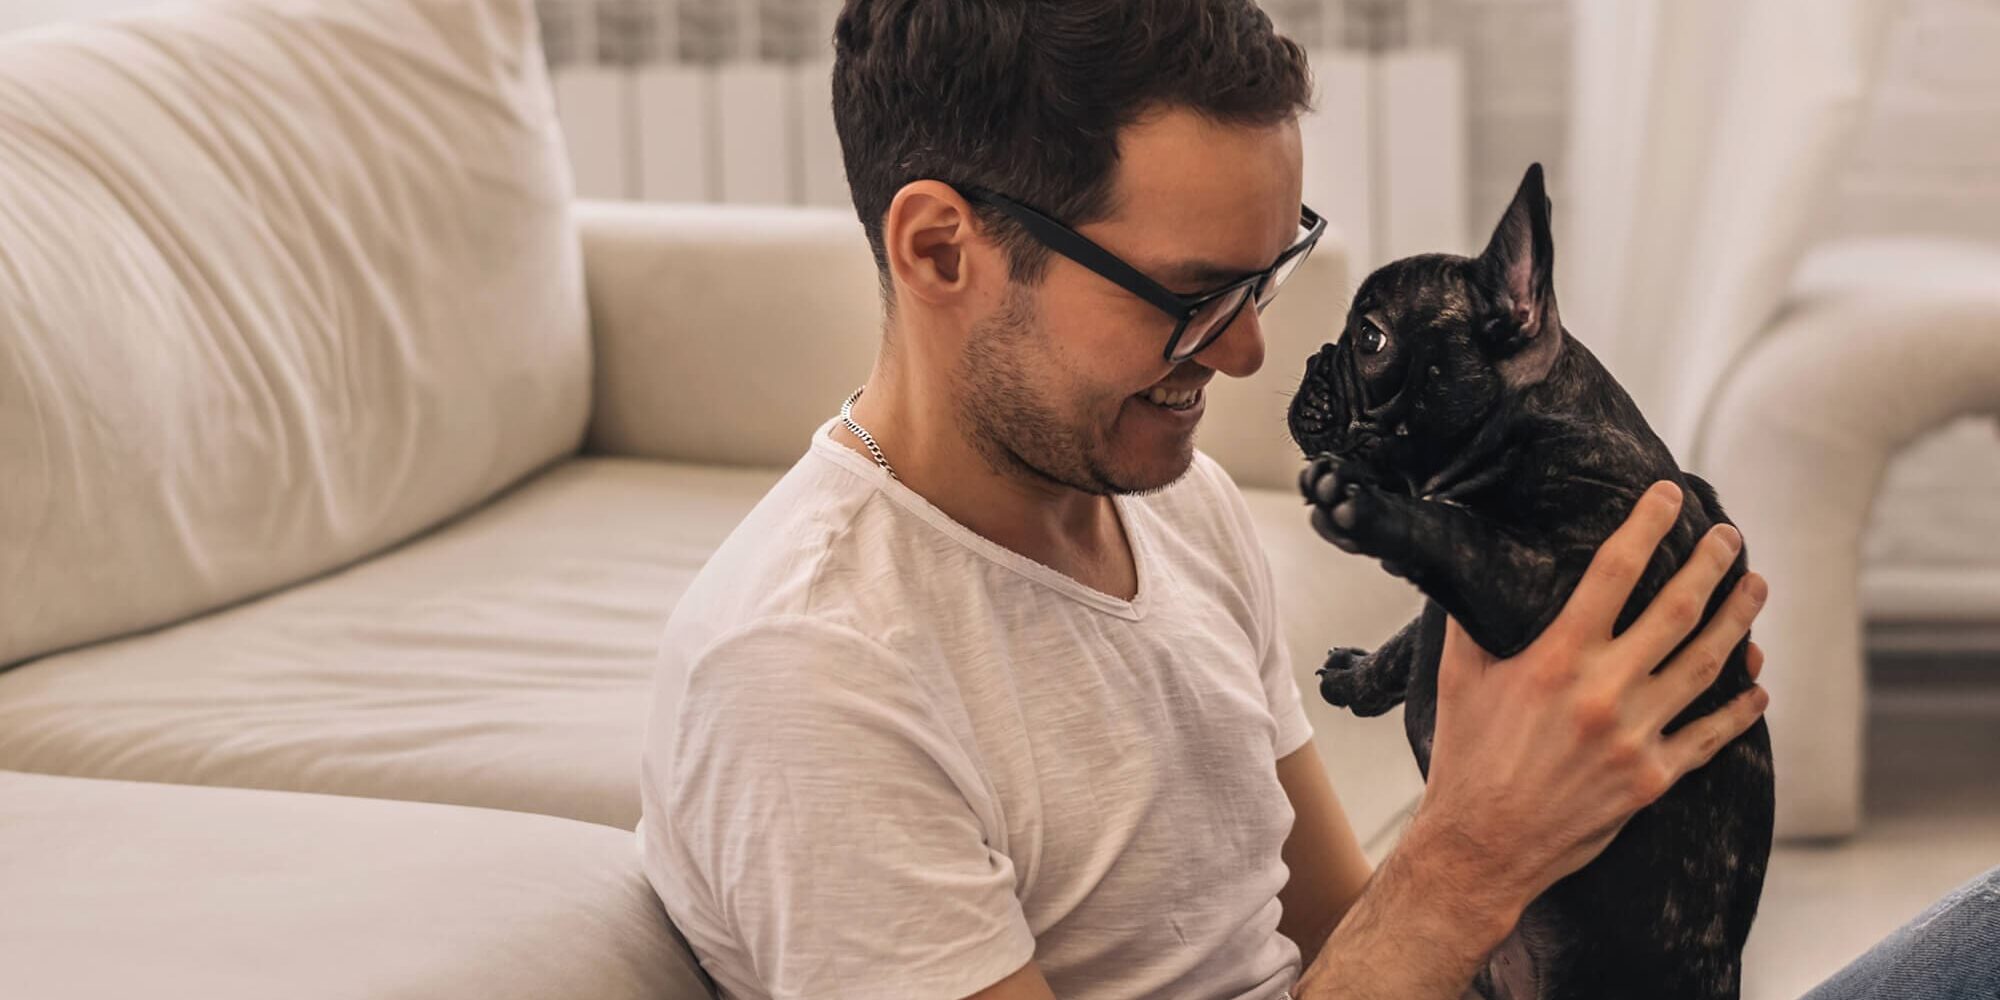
[1517, 81]
[1928, 159]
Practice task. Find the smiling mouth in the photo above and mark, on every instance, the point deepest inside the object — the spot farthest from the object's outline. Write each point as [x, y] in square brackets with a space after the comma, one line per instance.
[1172, 399]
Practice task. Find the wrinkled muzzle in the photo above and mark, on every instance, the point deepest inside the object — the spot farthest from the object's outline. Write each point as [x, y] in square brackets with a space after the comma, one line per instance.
[1326, 412]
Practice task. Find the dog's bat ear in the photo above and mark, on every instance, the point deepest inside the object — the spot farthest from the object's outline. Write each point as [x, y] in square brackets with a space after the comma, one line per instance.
[1519, 265]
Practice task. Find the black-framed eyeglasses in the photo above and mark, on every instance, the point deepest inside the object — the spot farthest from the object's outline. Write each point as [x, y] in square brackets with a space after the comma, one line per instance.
[1198, 319]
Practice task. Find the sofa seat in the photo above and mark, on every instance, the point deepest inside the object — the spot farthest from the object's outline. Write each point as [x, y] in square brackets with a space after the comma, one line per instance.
[502, 660]
[505, 659]
[126, 889]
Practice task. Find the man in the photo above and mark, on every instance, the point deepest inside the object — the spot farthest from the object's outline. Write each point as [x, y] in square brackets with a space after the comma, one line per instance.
[987, 697]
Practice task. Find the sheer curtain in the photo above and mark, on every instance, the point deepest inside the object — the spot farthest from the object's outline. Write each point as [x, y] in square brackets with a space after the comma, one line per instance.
[1705, 137]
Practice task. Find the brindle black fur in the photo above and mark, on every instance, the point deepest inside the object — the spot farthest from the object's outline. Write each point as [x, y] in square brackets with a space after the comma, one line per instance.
[1484, 456]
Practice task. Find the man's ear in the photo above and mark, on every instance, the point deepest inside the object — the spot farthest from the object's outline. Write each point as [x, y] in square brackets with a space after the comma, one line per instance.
[928, 236]
[1519, 267]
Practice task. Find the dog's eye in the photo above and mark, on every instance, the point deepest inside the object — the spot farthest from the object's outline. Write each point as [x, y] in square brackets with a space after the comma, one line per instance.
[1370, 340]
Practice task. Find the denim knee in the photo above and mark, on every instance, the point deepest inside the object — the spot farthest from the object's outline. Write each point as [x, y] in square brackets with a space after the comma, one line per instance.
[1949, 952]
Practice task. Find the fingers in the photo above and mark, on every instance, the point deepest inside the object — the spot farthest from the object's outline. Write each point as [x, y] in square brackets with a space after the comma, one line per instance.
[1678, 607]
[1754, 659]
[1593, 607]
[1697, 742]
[1697, 665]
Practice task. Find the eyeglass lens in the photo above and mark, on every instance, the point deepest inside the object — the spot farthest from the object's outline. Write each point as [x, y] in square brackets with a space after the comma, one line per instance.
[1216, 315]
[1268, 288]
[1211, 319]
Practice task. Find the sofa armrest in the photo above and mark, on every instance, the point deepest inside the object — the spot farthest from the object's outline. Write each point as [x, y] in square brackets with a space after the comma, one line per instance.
[725, 335]
[1881, 341]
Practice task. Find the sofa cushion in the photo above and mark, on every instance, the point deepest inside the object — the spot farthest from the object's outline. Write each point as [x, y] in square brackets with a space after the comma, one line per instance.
[687, 328]
[124, 889]
[503, 661]
[281, 283]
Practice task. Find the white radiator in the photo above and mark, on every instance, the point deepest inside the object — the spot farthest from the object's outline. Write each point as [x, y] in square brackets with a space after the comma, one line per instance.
[729, 101]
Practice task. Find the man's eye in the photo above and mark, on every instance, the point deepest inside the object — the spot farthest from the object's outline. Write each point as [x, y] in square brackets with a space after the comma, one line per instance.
[1370, 340]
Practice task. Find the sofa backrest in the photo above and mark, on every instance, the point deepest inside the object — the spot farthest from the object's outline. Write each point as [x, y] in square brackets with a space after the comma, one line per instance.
[725, 334]
[282, 283]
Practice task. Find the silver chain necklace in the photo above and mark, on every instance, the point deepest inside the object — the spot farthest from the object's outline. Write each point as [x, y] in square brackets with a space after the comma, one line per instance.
[847, 418]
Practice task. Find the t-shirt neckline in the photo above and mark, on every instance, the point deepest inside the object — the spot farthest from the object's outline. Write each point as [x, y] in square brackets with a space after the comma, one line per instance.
[1131, 518]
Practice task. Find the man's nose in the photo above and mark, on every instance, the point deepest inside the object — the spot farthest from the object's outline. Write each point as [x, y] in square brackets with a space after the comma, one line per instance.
[1239, 351]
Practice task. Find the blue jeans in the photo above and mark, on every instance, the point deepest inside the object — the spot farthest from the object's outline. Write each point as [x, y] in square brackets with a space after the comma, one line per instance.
[1950, 952]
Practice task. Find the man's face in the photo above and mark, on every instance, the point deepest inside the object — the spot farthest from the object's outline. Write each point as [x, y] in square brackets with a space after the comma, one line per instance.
[1055, 381]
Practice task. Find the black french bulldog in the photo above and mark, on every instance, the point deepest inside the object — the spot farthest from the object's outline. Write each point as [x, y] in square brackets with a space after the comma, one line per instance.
[1476, 448]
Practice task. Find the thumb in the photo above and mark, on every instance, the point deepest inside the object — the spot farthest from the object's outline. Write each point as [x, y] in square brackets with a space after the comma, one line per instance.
[1463, 661]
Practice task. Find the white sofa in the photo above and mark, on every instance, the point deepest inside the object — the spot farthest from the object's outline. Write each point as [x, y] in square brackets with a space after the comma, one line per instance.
[348, 471]
[1879, 342]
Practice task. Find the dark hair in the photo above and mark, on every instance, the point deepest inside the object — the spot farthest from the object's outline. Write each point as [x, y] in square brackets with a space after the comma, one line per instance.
[1027, 97]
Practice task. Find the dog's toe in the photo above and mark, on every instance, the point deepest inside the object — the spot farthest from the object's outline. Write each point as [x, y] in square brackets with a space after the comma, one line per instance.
[1322, 522]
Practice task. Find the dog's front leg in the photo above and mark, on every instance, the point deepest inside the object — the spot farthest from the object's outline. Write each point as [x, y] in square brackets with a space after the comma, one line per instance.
[1366, 683]
[1498, 587]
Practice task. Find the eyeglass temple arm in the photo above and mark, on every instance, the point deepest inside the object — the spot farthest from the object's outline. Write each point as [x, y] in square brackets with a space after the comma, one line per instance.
[1079, 248]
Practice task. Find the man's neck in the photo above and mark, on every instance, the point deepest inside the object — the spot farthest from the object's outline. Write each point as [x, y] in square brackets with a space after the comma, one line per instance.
[1076, 533]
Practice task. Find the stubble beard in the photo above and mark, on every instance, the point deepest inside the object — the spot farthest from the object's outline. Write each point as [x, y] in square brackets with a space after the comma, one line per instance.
[1012, 426]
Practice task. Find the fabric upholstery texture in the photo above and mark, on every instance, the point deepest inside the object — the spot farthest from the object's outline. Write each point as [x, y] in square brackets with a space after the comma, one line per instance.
[121, 889]
[505, 659]
[778, 312]
[502, 661]
[281, 283]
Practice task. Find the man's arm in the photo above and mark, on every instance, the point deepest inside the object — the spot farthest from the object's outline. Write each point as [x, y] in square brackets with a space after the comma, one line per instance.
[1327, 867]
[801, 806]
[1421, 928]
[1025, 984]
[1538, 761]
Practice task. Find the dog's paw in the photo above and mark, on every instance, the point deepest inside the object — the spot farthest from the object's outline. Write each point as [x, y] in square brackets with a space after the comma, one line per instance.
[1346, 681]
[1341, 681]
[1338, 678]
[1348, 505]
[1343, 659]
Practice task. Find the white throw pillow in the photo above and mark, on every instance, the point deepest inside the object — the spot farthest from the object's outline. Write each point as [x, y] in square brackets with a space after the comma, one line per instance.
[282, 283]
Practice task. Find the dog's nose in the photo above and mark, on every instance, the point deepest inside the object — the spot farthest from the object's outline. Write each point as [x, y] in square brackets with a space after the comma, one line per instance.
[1320, 362]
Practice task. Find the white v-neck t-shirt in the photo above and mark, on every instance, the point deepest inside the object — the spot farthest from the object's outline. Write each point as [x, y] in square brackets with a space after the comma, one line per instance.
[889, 758]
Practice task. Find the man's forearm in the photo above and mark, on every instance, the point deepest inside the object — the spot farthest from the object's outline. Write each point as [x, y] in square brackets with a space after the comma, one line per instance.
[1420, 930]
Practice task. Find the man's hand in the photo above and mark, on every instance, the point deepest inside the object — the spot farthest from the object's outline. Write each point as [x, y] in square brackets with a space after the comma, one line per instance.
[1540, 760]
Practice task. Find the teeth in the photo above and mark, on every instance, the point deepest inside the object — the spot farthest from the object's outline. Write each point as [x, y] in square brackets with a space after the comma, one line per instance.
[1179, 399]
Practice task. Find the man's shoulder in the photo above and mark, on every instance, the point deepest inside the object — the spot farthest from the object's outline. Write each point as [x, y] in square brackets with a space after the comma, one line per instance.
[813, 562]
[769, 561]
